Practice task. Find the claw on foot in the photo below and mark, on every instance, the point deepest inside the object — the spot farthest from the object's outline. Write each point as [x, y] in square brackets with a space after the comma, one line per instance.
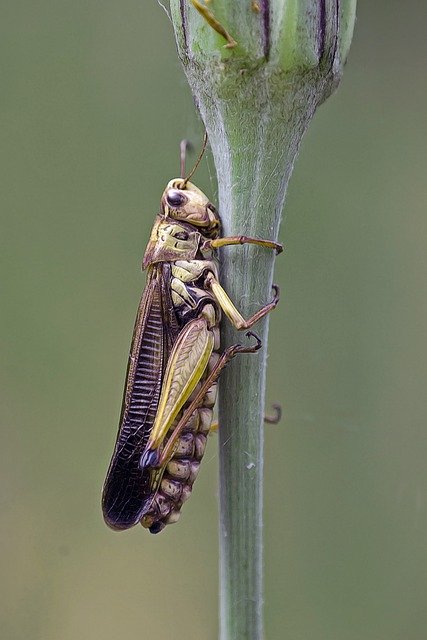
[276, 294]
[274, 419]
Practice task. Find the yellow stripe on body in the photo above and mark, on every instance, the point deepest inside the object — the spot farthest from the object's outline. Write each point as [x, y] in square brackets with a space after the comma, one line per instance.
[187, 363]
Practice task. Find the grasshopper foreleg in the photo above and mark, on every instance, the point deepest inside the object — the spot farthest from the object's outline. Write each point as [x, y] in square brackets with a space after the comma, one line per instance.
[235, 240]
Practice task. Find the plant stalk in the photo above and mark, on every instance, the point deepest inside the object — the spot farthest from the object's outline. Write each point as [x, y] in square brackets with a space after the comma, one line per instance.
[256, 101]
[252, 185]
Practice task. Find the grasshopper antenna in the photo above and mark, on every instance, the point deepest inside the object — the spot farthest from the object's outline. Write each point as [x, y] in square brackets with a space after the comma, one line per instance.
[183, 146]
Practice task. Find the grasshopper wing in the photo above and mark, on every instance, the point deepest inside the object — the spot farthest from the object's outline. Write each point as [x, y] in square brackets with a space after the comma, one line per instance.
[127, 487]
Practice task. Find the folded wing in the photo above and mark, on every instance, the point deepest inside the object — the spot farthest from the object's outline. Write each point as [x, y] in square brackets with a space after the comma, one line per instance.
[127, 487]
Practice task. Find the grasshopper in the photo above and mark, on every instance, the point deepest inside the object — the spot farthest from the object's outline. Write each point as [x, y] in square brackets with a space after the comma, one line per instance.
[175, 361]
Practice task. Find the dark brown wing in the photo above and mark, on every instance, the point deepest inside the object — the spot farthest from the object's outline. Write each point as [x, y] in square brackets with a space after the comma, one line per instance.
[127, 487]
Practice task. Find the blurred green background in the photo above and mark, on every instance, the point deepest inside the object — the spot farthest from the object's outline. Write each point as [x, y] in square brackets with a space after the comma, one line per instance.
[93, 106]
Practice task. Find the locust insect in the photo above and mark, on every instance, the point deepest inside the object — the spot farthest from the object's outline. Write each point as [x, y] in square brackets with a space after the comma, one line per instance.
[175, 361]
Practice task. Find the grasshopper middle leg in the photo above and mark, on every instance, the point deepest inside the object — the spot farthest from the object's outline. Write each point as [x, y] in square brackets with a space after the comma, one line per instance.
[268, 418]
[230, 309]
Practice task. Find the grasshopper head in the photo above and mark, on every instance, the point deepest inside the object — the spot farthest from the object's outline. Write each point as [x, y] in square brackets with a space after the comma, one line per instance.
[182, 200]
[186, 218]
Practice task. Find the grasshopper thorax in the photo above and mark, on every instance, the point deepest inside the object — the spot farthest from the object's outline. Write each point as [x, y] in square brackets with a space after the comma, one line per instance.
[186, 220]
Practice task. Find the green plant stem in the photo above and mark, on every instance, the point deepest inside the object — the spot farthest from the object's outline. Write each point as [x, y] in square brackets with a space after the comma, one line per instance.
[253, 173]
[256, 101]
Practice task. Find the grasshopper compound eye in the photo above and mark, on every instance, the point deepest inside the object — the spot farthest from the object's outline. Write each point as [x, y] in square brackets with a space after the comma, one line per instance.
[175, 198]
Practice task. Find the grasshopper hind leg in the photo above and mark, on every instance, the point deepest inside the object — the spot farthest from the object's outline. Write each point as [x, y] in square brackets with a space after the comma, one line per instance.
[222, 362]
[157, 516]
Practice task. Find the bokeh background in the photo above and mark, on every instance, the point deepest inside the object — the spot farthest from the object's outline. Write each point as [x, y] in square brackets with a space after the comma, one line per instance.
[94, 103]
